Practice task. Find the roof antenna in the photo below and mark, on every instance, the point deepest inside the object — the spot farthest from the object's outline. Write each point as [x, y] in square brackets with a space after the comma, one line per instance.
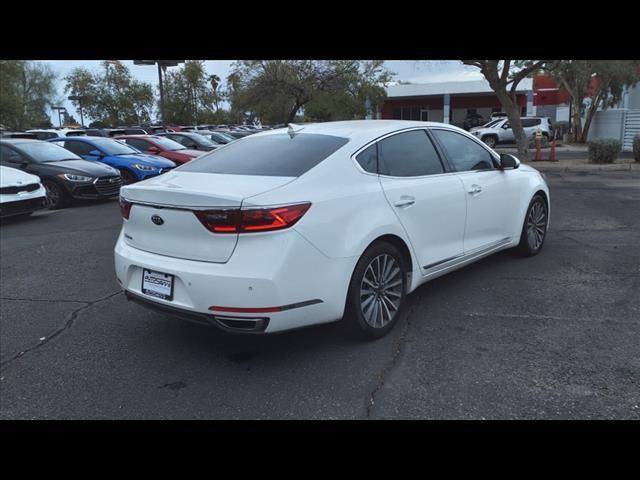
[293, 129]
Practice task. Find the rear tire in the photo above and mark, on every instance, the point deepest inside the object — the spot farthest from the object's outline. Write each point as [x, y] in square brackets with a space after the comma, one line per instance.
[56, 196]
[534, 228]
[376, 292]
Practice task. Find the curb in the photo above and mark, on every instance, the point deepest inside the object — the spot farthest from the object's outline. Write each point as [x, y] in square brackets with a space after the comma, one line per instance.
[621, 167]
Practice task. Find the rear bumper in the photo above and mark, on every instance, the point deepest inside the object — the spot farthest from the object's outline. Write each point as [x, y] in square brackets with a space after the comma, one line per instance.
[280, 271]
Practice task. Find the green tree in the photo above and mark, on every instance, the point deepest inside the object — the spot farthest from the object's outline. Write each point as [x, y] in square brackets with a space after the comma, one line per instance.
[191, 95]
[611, 78]
[276, 90]
[111, 96]
[27, 92]
[504, 76]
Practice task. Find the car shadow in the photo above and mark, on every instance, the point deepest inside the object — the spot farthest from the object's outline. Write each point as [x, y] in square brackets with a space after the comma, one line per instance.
[245, 348]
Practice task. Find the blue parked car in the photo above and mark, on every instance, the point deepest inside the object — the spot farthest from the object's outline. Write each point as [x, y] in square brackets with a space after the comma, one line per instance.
[132, 163]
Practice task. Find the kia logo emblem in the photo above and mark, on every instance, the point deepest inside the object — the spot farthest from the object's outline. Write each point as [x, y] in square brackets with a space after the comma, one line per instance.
[157, 219]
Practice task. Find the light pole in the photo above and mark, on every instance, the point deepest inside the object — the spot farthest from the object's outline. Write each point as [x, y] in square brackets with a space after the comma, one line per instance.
[162, 64]
[59, 109]
[79, 99]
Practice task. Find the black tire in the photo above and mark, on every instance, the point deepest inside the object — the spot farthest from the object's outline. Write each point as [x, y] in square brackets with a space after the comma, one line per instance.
[127, 177]
[534, 227]
[56, 195]
[355, 321]
[490, 141]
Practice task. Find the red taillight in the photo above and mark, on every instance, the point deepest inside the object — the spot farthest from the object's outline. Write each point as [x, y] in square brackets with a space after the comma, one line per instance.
[252, 220]
[125, 208]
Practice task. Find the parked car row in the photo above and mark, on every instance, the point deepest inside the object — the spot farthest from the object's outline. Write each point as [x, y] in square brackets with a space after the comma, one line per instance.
[82, 167]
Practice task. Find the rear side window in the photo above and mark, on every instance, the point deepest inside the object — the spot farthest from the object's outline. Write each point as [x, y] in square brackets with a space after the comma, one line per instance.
[409, 154]
[464, 153]
[530, 122]
[368, 158]
[277, 155]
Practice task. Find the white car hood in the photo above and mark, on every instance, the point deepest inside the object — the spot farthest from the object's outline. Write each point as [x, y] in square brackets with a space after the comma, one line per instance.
[10, 177]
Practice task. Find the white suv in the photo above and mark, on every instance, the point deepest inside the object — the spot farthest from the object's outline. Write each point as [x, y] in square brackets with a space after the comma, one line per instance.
[501, 132]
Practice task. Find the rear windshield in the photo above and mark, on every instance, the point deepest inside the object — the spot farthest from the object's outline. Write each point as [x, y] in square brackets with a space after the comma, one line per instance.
[276, 155]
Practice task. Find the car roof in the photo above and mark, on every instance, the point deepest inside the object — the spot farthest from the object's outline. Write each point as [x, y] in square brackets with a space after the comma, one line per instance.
[358, 130]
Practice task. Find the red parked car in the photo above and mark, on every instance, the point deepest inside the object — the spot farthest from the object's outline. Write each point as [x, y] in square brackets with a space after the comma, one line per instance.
[162, 146]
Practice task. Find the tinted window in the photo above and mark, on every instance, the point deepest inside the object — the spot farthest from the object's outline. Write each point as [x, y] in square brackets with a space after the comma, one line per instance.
[8, 155]
[137, 143]
[465, 154]
[530, 122]
[79, 148]
[368, 158]
[45, 135]
[409, 154]
[276, 155]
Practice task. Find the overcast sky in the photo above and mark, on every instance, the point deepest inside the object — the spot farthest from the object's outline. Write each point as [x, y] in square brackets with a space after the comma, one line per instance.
[424, 71]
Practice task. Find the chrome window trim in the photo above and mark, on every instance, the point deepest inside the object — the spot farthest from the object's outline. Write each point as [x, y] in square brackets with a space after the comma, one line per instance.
[386, 135]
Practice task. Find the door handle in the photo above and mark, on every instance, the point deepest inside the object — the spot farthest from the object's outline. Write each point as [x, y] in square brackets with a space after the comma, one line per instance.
[405, 201]
[475, 189]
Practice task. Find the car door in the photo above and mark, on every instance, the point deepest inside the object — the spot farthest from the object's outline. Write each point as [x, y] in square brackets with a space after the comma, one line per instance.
[505, 132]
[428, 200]
[492, 195]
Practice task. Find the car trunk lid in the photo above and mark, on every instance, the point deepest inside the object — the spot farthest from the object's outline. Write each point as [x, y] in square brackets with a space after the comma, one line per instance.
[162, 219]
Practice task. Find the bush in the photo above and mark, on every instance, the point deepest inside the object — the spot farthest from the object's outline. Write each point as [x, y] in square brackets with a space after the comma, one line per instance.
[544, 143]
[636, 147]
[604, 150]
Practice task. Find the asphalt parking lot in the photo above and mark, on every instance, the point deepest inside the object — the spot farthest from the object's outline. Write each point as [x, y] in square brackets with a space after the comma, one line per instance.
[556, 336]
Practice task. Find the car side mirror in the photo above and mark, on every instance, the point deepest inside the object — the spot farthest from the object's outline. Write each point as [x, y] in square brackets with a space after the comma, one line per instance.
[153, 150]
[192, 145]
[95, 153]
[508, 161]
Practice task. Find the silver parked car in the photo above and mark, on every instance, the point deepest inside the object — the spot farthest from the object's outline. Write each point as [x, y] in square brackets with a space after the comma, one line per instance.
[498, 132]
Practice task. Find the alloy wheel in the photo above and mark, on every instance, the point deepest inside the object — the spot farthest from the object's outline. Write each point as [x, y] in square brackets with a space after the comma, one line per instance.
[381, 290]
[53, 194]
[536, 224]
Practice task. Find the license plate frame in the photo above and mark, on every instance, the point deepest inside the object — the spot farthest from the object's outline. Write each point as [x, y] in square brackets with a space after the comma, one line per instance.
[148, 275]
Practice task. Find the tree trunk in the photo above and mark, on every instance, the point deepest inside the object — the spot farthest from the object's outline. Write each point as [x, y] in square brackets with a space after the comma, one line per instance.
[593, 108]
[293, 112]
[510, 105]
[577, 121]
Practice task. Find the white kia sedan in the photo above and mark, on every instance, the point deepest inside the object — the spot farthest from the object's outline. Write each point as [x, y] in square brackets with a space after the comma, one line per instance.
[322, 222]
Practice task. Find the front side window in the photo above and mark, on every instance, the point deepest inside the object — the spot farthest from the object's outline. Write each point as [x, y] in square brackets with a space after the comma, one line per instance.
[141, 145]
[465, 154]
[79, 148]
[408, 154]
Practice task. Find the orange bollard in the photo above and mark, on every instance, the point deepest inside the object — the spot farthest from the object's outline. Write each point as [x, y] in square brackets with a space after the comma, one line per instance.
[538, 151]
[552, 153]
